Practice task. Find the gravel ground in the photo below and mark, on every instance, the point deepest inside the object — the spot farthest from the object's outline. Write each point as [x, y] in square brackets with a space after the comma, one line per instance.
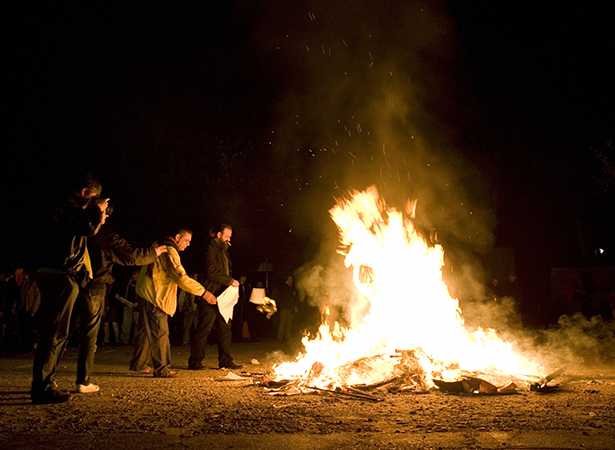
[196, 410]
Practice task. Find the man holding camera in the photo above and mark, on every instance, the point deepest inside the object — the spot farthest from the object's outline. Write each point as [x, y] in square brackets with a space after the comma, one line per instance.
[67, 268]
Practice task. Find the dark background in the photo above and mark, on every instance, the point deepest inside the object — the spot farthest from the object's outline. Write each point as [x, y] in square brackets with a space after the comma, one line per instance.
[497, 118]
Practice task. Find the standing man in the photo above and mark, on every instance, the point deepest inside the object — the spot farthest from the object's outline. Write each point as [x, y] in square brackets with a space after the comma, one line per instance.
[67, 268]
[189, 310]
[217, 279]
[157, 285]
[286, 301]
[106, 249]
[130, 314]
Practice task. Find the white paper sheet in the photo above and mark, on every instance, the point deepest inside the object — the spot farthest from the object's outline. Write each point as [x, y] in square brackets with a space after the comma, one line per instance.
[227, 301]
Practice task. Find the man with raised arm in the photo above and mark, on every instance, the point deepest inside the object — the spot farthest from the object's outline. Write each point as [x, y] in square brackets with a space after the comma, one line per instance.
[67, 269]
[106, 249]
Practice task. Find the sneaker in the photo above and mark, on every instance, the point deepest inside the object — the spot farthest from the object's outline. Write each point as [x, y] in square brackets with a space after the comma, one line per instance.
[231, 366]
[87, 388]
[48, 396]
[169, 374]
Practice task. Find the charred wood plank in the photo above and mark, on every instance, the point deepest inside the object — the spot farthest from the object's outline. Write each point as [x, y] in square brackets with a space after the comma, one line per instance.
[338, 391]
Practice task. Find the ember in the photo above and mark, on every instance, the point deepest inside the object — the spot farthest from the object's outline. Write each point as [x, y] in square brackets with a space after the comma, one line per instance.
[402, 303]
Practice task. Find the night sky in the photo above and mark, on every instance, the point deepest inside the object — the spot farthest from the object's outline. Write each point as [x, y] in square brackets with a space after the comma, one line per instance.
[497, 118]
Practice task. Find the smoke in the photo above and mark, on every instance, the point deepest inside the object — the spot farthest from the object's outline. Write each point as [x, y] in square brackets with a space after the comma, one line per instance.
[367, 94]
[575, 340]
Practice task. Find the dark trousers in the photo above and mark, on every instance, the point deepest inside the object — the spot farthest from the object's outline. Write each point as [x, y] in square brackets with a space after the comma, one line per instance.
[286, 324]
[88, 311]
[141, 358]
[208, 315]
[58, 295]
[152, 341]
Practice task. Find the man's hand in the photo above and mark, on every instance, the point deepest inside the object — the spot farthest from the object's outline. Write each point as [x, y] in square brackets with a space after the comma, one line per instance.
[102, 203]
[210, 298]
[235, 283]
[160, 249]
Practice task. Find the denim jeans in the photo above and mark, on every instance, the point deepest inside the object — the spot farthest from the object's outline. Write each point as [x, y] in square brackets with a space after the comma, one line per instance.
[89, 310]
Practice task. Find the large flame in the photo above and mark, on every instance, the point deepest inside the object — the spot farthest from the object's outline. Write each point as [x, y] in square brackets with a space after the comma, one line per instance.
[399, 276]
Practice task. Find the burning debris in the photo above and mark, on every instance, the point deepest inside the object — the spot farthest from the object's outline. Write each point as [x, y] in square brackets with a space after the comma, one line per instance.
[264, 304]
[407, 377]
[471, 385]
[543, 385]
[406, 333]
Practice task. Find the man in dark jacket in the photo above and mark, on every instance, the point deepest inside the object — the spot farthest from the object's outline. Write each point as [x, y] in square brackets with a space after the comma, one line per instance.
[286, 302]
[67, 268]
[217, 278]
[106, 249]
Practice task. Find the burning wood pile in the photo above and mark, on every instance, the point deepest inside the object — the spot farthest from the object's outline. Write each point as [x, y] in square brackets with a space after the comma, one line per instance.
[406, 333]
[407, 377]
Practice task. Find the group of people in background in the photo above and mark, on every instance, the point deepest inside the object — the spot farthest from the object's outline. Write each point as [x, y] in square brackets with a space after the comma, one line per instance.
[19, 301]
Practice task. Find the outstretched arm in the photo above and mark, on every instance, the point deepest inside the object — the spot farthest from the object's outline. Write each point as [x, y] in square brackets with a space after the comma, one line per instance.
[177, 272]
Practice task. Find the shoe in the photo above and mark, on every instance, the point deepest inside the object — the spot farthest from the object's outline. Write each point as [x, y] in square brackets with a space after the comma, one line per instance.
[169, 374]
[87, 388]
[146, 370]
[49, 396]
[199, 367]
[231, 366]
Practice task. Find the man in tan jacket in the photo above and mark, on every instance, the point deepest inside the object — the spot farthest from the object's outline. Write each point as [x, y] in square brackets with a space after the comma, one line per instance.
[157, 284]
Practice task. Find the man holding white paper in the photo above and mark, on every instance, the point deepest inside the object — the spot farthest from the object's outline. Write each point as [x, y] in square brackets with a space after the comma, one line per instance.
[219, 281]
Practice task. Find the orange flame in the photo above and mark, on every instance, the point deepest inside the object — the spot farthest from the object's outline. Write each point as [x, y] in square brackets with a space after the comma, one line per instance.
[399, 278]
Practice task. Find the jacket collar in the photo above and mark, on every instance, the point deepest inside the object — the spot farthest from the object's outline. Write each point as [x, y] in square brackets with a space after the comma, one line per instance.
[170, 242]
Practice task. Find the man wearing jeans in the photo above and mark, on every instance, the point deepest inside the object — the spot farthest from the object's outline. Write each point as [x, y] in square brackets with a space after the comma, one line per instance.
[67, 268]
[106, 249]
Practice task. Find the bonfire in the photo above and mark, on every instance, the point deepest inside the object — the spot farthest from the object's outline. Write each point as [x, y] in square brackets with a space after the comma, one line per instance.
[406, 332]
